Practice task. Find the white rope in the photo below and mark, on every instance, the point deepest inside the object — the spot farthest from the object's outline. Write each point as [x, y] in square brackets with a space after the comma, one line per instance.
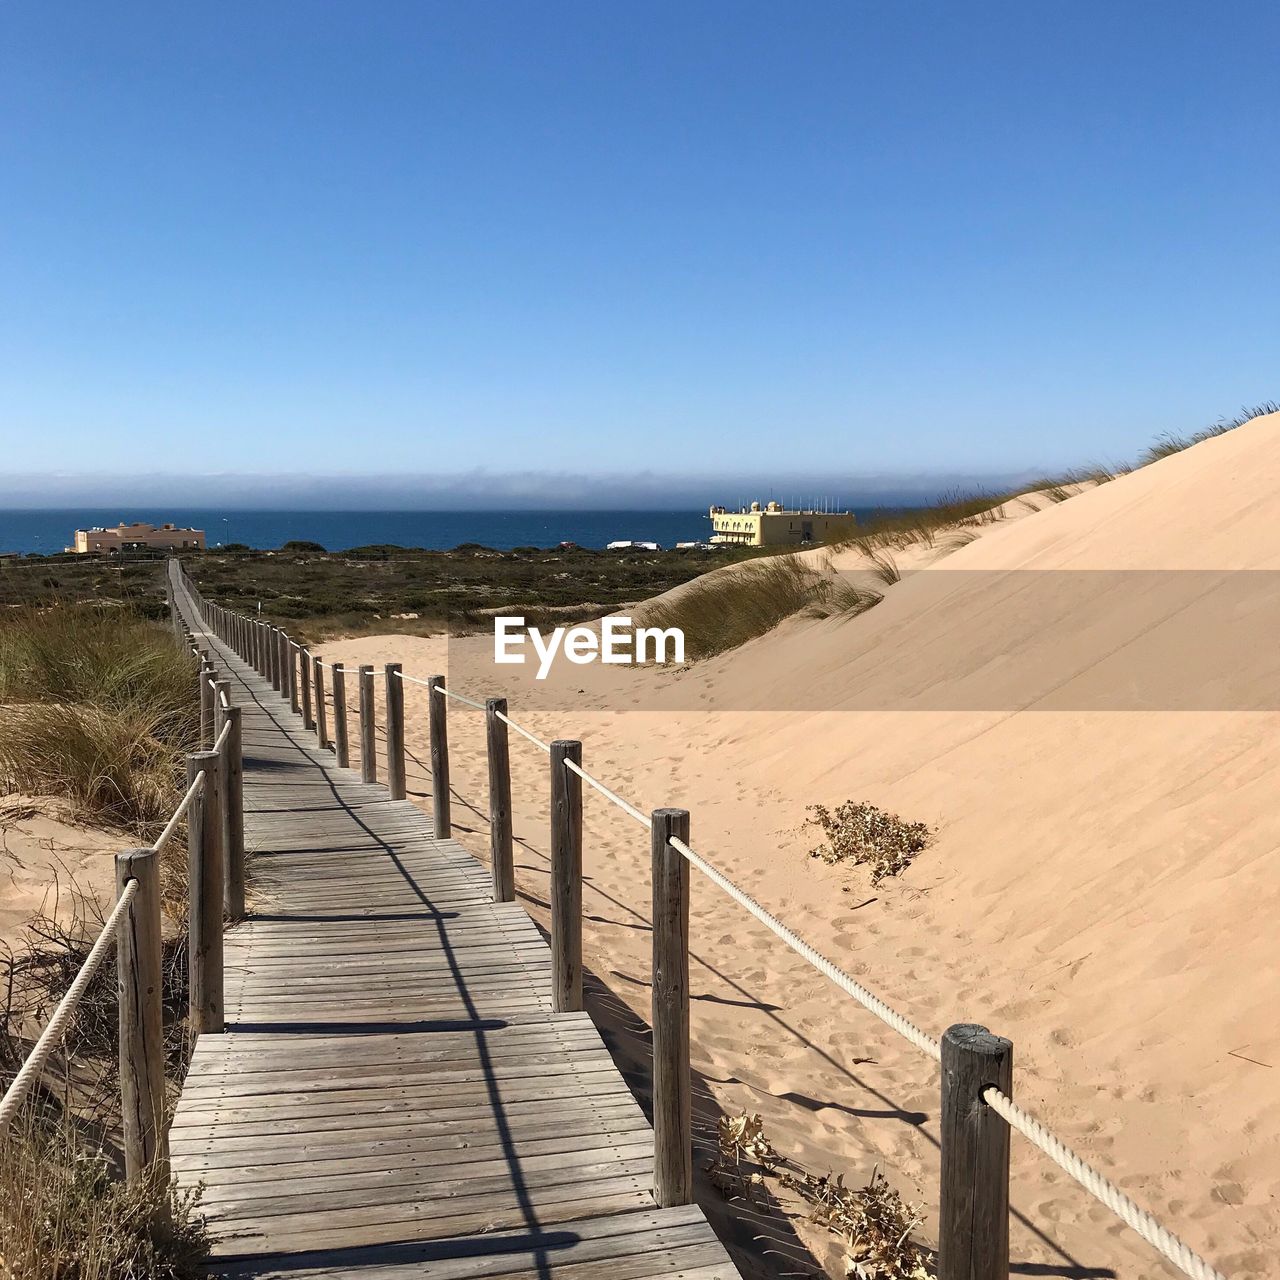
[1159, 1237]
[52, 1033]
[471, 702]
[180, 812]
[872, 1002]
[426, 684]
[225, 699]
[642, 818]
[524, 733]
[222, 737]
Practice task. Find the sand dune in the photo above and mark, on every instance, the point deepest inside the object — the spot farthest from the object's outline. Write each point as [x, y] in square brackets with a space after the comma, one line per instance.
[1102, 887]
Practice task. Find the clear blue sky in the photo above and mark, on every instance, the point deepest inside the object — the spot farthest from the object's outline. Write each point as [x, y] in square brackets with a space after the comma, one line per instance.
[594, 237]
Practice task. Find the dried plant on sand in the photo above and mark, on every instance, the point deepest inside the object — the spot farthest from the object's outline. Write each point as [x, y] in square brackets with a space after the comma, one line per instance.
[64, 1215]
[873, 1223]
[861, 833]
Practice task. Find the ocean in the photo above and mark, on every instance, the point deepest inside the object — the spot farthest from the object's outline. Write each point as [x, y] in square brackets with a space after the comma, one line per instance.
[50, 531]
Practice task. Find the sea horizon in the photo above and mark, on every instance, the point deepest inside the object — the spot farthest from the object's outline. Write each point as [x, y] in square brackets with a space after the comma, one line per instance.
[47, 531]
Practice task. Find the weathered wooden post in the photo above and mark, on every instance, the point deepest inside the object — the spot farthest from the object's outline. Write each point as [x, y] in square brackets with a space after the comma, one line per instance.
[368, 727]
[231, 776]
[672, 1105]
[501, 860]
[205, 892]
[260, 648]
[139, 990]
[286, 664]
[438, 722]
[272, 655]
[317, 679]
[207, 699]
[304, 670]
[340, 744]
[293, 651]
[221, 689]
[973, 1227]
[394, 692]
[566, 878]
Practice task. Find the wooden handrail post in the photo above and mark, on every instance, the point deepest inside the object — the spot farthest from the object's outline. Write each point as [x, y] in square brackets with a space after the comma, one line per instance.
[368, 727]
[270, 652]
[304, 670]
[394, 693]
[566, 878]
[340, 744]
[139, 991]
[286, 664]
[231, 765]
[973, 1227]
[672, 1105]
[501, 860]
[293, 656]
[207, 699]
[259, 650]
[317, 680]
[273, 657]
[438, 722]
[205, 865]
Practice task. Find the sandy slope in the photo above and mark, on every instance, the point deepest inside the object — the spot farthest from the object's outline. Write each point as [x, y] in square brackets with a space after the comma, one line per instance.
[45, 860]
[1097, 751]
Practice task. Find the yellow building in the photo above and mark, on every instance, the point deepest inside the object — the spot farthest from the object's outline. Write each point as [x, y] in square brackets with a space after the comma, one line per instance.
[137, 537]
[773, 526]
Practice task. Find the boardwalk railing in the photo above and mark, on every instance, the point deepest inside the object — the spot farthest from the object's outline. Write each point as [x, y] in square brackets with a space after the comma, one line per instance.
[213, 810]
[977, 1107]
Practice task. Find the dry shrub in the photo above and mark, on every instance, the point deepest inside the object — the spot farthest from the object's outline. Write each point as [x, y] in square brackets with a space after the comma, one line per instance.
[873, 1222]
[861, 833]
[35, 976]
[64, 1215]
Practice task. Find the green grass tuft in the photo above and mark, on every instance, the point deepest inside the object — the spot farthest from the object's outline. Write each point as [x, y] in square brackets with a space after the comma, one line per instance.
[97, 706]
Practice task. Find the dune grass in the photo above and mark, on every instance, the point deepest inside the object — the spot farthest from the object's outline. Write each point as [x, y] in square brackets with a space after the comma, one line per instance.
[725, 610]
[97, 706]
[1169, 443]
[64, 1215]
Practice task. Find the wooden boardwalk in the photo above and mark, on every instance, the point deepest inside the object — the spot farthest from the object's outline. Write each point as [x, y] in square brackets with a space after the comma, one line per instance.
[393, 1095]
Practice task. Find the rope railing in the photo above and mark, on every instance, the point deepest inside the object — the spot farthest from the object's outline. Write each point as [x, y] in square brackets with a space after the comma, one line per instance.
[868, 999]
[180, 812]
[642, 818]
[989, 1095]
[48, 1040]
[524, 733]
[1132, 1215]
[458, 697]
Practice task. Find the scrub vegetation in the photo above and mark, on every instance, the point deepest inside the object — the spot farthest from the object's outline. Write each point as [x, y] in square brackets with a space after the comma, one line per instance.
[97, 707]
